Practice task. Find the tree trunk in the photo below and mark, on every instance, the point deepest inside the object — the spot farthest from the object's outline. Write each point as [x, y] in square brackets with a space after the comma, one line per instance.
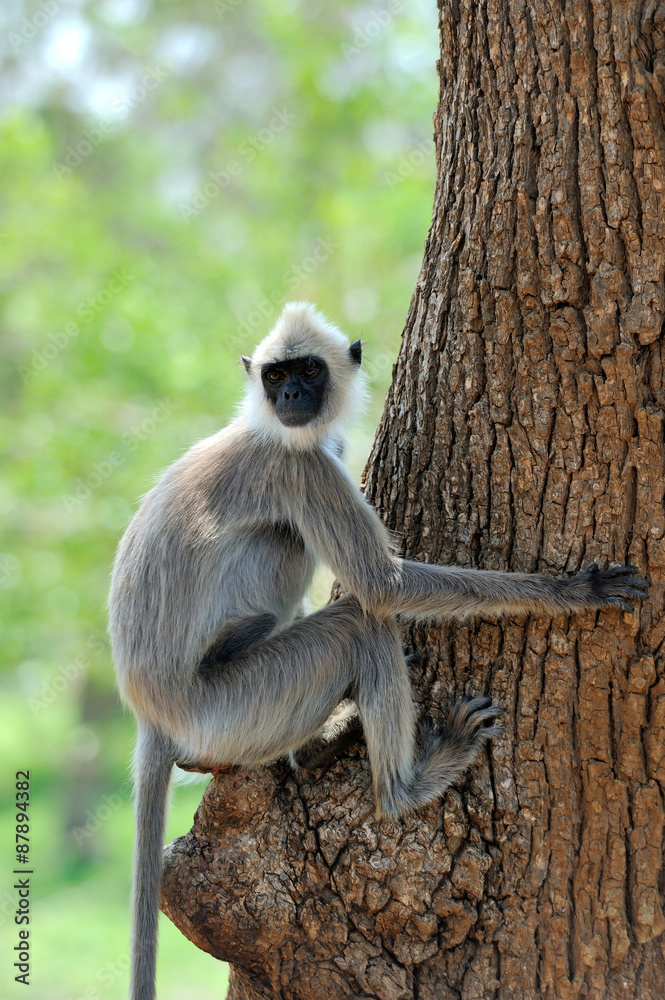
[524, 432]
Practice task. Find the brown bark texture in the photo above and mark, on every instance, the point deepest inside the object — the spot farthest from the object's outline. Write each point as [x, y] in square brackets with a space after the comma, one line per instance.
[524, 432]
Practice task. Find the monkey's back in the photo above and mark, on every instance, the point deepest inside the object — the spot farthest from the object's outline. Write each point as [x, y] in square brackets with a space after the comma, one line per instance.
[212, 542]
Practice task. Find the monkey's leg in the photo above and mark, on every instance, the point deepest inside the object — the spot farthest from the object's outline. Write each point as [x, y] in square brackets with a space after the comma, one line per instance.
[454, 592]
[232, 639]
[275, 696]
[342, 730]
[406, 777]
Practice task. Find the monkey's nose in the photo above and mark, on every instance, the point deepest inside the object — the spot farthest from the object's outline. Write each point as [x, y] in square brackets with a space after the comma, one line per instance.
[295, 394]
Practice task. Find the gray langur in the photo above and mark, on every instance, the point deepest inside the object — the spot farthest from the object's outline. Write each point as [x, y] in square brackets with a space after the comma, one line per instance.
[211, 648]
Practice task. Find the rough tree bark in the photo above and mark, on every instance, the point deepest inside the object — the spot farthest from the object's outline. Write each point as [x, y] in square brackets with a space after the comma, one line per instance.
[523, 431]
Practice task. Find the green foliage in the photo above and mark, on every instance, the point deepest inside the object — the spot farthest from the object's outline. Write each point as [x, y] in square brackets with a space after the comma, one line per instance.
[174, 174]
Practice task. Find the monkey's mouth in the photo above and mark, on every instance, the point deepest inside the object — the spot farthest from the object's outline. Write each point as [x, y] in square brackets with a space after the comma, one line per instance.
[296, 418]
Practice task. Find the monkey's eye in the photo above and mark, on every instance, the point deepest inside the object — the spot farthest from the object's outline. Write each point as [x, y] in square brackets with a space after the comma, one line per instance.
[311, 372]
[274, 377]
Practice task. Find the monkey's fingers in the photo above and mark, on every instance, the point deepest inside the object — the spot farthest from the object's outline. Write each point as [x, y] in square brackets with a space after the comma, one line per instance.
[627, 588]
[624, 581]
[613, 573]
[616, 586]
[618, 571]
[618, 602]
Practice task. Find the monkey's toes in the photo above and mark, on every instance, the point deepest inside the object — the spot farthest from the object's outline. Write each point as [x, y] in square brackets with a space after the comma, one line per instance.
[483, 723]
[486, 714]
[490, 732]
[470, 717]
[427, 724]
[468, 705]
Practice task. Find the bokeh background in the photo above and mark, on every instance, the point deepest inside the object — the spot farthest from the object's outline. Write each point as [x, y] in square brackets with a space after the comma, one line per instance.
[171, 173]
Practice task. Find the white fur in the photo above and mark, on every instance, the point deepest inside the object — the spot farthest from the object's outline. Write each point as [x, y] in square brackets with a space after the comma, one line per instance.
[300, 331]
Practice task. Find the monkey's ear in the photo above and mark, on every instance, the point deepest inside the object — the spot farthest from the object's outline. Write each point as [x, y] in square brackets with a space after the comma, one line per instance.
[356, 351]
[247, 362]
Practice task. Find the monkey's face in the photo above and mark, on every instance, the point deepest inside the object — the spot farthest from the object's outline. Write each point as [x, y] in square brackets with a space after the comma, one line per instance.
[296, 388]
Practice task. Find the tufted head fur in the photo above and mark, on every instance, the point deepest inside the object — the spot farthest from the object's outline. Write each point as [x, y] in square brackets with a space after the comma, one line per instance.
[302, 331]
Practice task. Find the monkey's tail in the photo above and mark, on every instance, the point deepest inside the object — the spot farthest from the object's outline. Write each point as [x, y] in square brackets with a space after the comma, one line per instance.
[153, 762]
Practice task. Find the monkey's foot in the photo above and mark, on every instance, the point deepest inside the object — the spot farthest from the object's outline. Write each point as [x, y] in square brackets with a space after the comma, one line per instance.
[442, 756]
[472, 723]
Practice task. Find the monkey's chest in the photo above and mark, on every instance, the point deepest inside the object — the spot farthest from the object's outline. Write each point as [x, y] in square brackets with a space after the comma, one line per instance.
[269, 569]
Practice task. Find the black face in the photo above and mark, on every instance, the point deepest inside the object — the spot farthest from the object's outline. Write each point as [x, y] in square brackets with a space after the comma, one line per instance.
[296, 388]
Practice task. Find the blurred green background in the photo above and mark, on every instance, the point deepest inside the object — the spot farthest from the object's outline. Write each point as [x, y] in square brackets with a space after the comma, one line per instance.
[172, 173]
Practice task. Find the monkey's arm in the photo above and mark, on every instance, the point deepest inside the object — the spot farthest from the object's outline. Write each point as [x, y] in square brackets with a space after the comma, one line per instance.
[343, 531]
[235, 637]
[347, 534]
[456, 593]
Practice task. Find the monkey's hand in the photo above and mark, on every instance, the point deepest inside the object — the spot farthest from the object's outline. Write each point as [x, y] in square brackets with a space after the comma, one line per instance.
[612, 587]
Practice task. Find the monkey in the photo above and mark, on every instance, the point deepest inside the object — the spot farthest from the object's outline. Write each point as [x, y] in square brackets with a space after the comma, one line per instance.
[212, 649]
